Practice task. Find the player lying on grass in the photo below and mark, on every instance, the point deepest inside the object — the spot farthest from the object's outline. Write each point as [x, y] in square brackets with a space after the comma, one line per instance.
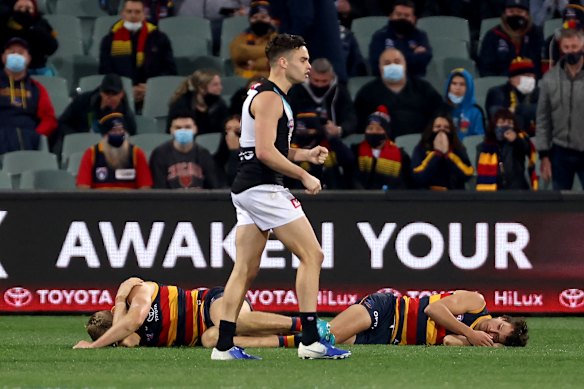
[451, 319]
[151, 314]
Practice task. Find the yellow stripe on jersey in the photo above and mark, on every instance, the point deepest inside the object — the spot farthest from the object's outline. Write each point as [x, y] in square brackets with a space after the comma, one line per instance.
[194, 298]
[396, 318]
[155, 293]
[406, 308]
[479, 319]
[173, 305]
[431, 330]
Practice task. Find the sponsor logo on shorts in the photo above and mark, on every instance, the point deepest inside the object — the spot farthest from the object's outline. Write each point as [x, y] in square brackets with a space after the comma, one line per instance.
[17, 297]
[572, 298]
[295, 203]
[153, 314]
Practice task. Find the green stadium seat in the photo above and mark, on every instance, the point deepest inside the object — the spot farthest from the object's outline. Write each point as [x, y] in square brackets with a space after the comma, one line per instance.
[146, 125]
[356, 83]
[47, 179]
[482, 86]
[550, 27]
[210, 141]
[353, 139]
[450, 27]
[148, 142]
[5, 181]
[101, 28]
[74, 162]
[231, 28]
[408, 142]
[159, 90]
[15, 163]
[190, 26]
[75, 143]
[364, 28]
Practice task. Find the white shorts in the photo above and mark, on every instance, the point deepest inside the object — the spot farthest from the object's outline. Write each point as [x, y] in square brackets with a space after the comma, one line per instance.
[267, 206]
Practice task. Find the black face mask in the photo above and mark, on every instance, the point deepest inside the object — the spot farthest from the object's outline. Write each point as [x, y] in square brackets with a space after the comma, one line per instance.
[573, 58]
[211, 99]
[23, 18]
[375, 140]
[402, 26]
[260, 28]
[517, 23]
[319, 91]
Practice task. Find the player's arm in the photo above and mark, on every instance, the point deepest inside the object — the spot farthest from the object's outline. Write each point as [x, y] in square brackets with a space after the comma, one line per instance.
[444, 312]
[129, 323]
[121, 302]
[316, 155]
[267, 109]
[456, 340]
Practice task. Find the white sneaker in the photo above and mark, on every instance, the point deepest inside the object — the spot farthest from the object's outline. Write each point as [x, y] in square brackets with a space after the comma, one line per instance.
[321, 350]
[231, 354]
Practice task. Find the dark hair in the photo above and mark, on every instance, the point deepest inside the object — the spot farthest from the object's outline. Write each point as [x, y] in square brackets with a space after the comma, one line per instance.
[428, 134]
[99, 323]
[504, 114]
[134, 1]
[230, 118]
[180, 114]
[282, 43]
[519, 336]
[403, 3]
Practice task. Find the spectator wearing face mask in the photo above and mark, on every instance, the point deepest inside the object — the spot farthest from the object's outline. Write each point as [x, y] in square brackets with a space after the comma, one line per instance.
[248, 48]
[467, 116]
[401, 33]
[413, 102]
[440, 161]
[324, 94]
[503, 156]
[200, 93]
[515, 36]
[26, 111]
[381, 164]
[136, 49]
[181, 163]
[114, 163]
[519, 95]
[573, 19]
[337, 170]
[25, 21]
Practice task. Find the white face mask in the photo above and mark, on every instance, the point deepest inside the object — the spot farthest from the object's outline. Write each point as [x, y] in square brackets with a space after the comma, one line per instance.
[130, 26]
[526, 85]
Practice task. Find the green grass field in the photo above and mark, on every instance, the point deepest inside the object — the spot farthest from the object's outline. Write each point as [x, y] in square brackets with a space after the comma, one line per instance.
[35, 351]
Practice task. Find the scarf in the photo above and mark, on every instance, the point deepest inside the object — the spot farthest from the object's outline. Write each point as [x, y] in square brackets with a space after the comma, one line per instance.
[122, 42]
[389, 162]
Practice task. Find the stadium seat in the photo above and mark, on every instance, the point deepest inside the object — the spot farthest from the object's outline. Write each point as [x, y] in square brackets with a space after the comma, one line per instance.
[208, 62]
[159, 90]
[186, 50]
[66, 26]
[482, 86]
[54, 85]
[89, 83]
[5, 181]
[550, 26]
[364, 28]
[231, 28]
[74, 162]
[148, 142]
[408, 142]
[47, 179]
[146, 125]
[353, 139]
[470, 143]
[101, 28]
[210, 141]
[86, 10]
[190, 26]
[486, 25]
[232, 84]
[450, 27]
[78, 142]
[17, 162]
[445, 47]
[356, 83]
[451, 63]
[44, 144]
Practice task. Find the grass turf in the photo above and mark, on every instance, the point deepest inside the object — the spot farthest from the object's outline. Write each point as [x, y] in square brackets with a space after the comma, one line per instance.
[35, 351]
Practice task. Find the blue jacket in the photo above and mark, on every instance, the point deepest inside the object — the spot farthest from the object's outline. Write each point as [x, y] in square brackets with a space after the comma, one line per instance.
[468, 117]
[386, 38]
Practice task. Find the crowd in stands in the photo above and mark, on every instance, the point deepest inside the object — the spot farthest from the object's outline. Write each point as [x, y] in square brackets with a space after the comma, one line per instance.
[388, 94]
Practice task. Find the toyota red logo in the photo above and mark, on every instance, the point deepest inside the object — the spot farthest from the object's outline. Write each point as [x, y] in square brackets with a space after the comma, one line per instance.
[572, 298]
[17, 297]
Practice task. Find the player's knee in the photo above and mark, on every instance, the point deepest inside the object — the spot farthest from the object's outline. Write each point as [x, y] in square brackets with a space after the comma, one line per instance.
[210, 337]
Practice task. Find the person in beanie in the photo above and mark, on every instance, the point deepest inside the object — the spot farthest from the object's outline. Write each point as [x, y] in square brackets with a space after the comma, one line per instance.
[573, 19]
[503, 155]
[519, 95]
[440, 161]
[515, 36]
[248, 48]
[26, 111]
[114, 163]
[467, 115]
[381, 164]
[337, 170]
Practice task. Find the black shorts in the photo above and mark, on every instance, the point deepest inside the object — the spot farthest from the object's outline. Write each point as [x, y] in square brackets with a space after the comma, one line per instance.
[381, 308]
[212, 295]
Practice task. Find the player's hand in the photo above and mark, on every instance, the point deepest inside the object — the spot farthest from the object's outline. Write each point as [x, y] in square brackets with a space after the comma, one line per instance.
[317, 155]
[83, 344]
[311, 183]
[126, 287]
[441, 143]
[480, 338]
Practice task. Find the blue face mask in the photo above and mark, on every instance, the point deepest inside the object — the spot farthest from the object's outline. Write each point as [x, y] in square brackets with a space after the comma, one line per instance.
[184, 136]
[393, 72]
[116, 140]
[500, 132]
[455, 99]
[15, 62]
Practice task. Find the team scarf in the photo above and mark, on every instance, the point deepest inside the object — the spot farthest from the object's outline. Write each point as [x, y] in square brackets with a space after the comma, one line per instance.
[488, 165]
[122, 42]
[389, 162]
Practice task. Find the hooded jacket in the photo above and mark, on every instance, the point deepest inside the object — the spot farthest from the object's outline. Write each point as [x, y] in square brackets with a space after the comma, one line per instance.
[559, 111]
[468, 117]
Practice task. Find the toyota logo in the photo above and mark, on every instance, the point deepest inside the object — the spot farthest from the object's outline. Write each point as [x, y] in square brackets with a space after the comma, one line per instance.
[17, 297]
[572, 298]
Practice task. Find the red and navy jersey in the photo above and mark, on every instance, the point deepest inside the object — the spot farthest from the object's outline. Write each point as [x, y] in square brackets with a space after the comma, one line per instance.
[413, 326]
[176, 317]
